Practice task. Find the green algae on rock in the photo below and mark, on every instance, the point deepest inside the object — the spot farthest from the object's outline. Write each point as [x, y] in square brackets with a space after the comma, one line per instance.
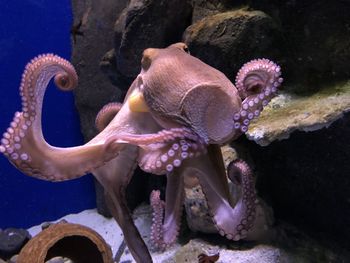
[288, 112]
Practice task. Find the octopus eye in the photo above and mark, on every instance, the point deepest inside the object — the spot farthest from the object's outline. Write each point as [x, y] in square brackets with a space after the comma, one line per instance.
[181, 46]
[148, 55]
[145, 62]
[185, 48]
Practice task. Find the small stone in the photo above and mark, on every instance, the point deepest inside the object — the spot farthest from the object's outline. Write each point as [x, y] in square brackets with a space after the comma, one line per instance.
[13, 259]
[56, 260]
[45, 225]
[60, 260]
[12, 240]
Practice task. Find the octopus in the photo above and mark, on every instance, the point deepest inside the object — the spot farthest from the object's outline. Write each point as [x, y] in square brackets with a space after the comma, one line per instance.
[176, 114]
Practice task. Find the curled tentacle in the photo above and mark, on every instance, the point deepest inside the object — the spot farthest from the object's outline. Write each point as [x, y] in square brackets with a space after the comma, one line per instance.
[24, 144]
[239, 172]
[106, 114]
[114, 177]
[234, 223]
[257, 83]
[257, 75]
[35, 79]
[164, 232]
[157, 220]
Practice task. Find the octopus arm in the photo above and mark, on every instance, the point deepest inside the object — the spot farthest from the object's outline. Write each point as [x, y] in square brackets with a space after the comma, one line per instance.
[164, 234]
[23, 142]
[114, 176]
[232, 222]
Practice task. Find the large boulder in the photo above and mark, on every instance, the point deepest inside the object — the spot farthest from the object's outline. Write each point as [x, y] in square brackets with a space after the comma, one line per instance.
[317, 39]
[306, 180]
[96, 19]
[228, 40]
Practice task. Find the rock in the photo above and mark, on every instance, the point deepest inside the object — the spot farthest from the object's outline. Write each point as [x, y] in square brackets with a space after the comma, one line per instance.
[197, 211]
[94, 89]
[108, 65]
[145, 24]
[12, 240]
[289, 112]
[55, 260]
[228, 40]
[45, 225]
[306, 178]
[317, 43]
[13, 259]
[289, 243]
[291, 246]
[59, 260]
[229, 154]
[203, 8]
[257, 254]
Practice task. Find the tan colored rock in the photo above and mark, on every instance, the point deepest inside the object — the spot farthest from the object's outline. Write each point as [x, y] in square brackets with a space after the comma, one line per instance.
[287, 113]
[229, 154]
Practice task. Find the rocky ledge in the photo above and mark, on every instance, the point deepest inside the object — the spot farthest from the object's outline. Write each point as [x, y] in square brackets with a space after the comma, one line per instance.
[289, 112]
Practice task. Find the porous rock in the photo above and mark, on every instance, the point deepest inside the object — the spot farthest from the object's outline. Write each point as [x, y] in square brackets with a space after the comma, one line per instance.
[197, 211]
[289, 112]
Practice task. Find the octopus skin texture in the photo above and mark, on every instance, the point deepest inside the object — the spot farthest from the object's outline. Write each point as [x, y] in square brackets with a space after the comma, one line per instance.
[175, 115]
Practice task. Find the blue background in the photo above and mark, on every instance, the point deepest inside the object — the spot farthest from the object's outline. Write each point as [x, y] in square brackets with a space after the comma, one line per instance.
[27, 29]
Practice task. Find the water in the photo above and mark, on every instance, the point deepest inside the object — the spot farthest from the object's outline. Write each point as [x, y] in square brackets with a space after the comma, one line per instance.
[29, 28]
